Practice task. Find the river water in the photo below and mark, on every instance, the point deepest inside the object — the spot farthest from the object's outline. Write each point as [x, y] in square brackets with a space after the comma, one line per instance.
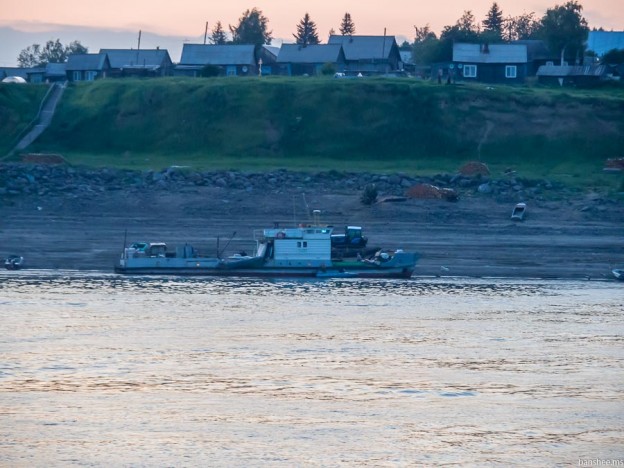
[102, 370]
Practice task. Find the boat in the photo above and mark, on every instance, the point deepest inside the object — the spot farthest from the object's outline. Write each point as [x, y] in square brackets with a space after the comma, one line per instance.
[303, 251]
[519, 212]
[618, 273]
[14, 262]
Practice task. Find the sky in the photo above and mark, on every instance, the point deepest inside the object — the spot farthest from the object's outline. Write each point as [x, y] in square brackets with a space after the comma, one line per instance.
[186, 19]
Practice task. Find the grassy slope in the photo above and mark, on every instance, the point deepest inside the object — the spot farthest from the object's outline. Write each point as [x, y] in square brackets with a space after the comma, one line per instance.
[376, 124]
[19, 104]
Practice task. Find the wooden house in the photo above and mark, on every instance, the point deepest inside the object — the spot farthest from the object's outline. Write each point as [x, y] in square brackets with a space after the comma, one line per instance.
[295, 59]
[139, 62]
[369, 55]
[87, 67]
[490, 63]
[230, 59]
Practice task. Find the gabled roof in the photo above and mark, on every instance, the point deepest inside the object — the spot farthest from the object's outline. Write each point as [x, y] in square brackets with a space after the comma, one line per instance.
[273, 50]
[17, 71]
[365, 47]
[55, 69]
[572, 70]
[318, 53]
[208, 54]
[137, 58]
[87, 62]
[492, 53]
[602, 42]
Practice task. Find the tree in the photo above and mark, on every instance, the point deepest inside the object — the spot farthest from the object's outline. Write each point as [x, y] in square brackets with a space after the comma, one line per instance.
[493, 24]
[75, 47]
[464, 30]
[565, 29]
[51, 52]
[218, 36]
[347, 27]
[613, 57]
[306, 32]
[524, 26]
[29, 57]
[252, 29]
[426, 46]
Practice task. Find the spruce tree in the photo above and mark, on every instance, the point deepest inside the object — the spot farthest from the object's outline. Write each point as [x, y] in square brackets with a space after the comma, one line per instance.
[306, 32]
[493, 24]
[218, 36]
[347, 27]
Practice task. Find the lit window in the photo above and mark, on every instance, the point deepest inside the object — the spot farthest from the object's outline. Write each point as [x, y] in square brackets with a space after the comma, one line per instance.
[510, 71]
[470, 71]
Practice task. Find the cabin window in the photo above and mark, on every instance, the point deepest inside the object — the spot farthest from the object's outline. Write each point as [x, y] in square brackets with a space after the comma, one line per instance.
[230, 70]
[77, 75]
[91, 75]
[470, 71]
[511, 71]
[303, 244]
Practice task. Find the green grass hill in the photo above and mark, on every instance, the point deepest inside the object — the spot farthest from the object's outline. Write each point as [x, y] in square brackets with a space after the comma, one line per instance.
[312, 123]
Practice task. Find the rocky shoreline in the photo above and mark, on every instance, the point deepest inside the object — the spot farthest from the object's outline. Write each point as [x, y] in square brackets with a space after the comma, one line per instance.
[63, 217]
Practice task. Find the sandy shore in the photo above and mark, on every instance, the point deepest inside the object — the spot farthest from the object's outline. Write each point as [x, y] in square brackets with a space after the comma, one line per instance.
[473, 237]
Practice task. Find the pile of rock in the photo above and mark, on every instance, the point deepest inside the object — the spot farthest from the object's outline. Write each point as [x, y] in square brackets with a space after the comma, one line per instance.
[43, 179]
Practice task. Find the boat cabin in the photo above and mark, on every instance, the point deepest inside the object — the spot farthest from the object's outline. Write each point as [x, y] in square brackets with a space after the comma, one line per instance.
[302, 246]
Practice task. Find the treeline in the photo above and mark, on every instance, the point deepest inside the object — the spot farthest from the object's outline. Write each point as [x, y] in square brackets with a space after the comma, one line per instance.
[562, 27]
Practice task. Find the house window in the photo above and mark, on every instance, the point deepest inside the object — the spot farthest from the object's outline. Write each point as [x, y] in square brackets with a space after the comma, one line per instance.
[470, 71]
[230, 71]
[91, 75]
[303, 244]
[77, 75]
[511, 71]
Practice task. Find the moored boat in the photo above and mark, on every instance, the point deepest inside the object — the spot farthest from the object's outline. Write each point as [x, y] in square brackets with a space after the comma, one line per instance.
[14, 262]
[303, 251]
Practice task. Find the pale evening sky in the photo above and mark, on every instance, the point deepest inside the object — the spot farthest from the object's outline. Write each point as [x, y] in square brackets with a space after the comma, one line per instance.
[188, 17]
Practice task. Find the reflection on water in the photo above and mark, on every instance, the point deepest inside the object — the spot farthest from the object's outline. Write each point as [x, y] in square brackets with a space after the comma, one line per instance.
[100, 369]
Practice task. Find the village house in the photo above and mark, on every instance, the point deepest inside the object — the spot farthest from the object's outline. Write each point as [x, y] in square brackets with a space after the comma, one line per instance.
[369, 55]
[87, 67]
[230, 59]
[139, 62]
[573, 75]
[295, 59]
[489, 63]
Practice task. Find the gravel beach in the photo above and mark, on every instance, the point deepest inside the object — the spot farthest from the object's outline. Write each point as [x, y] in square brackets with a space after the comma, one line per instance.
[82, 226]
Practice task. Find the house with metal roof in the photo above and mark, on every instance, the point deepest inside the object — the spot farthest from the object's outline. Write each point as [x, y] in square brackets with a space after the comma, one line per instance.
[489, 63]
[369, 55]
[30, 74]
[87, 67]
[55, 72]
[296, 59]
[573, 75]
[230, 59]
[139, 62]
[602, 42]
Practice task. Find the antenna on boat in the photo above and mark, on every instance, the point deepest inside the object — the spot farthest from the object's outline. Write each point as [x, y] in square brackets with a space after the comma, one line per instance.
[294, 211]
[305, 203]
[226, 244]
[123, 249]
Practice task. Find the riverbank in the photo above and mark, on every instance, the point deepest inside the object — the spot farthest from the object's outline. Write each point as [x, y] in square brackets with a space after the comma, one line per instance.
[68, 218]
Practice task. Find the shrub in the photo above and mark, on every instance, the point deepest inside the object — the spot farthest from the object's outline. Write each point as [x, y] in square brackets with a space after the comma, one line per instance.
[369, 195]
[328, 69]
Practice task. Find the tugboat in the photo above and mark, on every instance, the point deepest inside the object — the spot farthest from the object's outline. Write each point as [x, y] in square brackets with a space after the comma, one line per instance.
[14, 262]
[303, 251]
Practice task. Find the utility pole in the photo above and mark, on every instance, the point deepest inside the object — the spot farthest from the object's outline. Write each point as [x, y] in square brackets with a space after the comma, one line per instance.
[206, 33]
